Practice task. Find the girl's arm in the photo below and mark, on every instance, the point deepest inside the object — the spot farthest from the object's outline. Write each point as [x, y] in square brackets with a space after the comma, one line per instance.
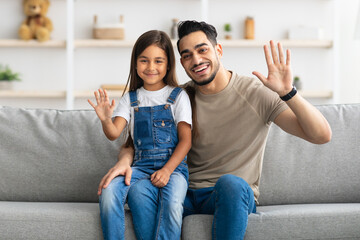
[104, 111]
[161, 177]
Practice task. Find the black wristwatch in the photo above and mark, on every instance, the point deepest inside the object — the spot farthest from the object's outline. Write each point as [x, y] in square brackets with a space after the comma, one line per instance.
[289, 95]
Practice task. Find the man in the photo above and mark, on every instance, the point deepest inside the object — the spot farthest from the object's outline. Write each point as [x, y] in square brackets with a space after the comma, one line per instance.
[233, 118]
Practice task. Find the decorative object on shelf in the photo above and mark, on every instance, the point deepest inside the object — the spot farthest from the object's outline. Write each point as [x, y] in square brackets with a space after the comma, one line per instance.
[297, 82]
[174, 28]
[36, 25]
[305, 33]
[7, 76]
[249, 28]
[109, 31]
[227, 29]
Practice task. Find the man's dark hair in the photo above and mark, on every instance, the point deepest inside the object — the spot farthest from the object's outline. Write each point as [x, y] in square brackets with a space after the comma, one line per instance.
[190, 26]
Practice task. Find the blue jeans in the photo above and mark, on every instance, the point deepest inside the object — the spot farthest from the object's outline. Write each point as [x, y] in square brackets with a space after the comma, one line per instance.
[231, 200]
[156, 214]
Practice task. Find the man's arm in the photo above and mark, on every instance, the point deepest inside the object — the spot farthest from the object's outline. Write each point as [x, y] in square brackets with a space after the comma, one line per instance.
[305, 121]
[301, 119]
[122, 167]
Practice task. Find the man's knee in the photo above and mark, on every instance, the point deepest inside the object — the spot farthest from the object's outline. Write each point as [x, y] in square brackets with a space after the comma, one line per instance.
[232, 185]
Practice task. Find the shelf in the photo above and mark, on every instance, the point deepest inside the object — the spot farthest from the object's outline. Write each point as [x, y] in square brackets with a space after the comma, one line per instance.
[284, 42]
[96, 43]
[90, 94]
[32, 43]
[117, 93]
[32, 94]
[91, 43]
[87, 43]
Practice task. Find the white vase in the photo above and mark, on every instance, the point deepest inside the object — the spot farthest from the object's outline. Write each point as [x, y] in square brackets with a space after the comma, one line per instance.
[6, 85]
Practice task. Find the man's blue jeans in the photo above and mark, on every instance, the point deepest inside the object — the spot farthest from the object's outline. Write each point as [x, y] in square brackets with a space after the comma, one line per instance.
[231, 200]
[157, 212]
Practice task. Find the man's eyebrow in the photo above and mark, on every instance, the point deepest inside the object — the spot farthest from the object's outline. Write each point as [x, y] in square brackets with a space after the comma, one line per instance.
[200, 45]
[184, 51]
[196, 47]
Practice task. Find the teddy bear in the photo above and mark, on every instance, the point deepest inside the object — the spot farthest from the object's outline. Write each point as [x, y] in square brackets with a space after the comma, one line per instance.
[36, 25]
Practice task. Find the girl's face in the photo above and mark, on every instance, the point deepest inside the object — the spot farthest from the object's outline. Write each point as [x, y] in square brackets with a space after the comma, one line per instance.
[151, 66]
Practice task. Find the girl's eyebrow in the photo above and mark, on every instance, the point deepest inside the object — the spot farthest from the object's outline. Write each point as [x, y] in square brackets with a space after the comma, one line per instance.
[162, 58]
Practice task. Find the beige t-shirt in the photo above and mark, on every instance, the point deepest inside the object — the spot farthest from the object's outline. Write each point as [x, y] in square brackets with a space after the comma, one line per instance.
[233, 126]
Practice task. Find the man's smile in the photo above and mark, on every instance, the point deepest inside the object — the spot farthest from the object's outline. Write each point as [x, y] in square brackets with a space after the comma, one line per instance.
[201, 68]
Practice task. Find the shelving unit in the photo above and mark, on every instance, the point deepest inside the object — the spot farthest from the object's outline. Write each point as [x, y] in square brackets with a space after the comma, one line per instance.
[71, 45]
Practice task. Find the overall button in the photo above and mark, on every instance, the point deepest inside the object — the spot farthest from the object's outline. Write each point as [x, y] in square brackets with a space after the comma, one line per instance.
[138, 142]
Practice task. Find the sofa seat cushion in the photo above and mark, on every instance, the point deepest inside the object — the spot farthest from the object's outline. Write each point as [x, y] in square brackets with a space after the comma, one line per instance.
[306, 221]
[44, 220]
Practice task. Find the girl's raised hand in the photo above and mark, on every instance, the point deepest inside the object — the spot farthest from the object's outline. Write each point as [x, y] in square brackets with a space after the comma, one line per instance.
[104, 109]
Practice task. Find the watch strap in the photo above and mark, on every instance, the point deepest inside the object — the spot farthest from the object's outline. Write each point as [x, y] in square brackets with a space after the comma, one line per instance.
[289, 95]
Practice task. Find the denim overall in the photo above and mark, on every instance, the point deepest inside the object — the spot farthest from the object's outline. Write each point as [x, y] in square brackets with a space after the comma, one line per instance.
[155, 138]
[155, 134]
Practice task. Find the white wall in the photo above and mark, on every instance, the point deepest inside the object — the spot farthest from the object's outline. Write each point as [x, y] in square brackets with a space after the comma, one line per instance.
[349, 52]
[45, 69]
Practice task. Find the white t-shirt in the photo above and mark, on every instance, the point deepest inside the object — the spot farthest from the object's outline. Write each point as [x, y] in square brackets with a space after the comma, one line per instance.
[181, 109]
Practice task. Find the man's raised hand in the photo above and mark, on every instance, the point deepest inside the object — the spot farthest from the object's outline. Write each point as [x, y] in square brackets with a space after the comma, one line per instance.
[279, 77]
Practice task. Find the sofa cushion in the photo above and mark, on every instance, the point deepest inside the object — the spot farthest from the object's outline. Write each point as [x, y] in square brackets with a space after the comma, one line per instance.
[296, 171]
[307, 221]
[47, 221]
[52, 155]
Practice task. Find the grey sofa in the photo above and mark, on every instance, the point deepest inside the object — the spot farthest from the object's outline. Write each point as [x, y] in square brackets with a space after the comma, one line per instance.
[52, 161]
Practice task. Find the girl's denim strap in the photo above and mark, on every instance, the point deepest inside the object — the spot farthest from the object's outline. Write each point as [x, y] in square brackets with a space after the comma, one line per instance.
[133, 99]
[173, 95]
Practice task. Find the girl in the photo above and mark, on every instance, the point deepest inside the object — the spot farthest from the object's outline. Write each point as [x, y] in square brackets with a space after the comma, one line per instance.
[158, 114]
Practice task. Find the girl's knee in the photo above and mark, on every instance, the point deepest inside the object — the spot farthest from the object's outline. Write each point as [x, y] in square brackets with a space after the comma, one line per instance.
[113, 195]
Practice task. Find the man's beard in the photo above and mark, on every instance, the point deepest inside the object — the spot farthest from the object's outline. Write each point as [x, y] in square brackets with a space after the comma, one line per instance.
[209, 80]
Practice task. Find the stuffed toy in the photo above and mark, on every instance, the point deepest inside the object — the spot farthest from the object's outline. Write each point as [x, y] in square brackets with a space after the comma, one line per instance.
[36, 25]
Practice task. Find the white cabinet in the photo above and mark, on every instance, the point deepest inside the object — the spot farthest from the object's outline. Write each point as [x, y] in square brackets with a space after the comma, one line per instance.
[64, 71]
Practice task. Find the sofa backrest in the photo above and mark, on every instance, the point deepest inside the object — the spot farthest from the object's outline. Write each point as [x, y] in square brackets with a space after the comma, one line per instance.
[50, 155]
[295, 171]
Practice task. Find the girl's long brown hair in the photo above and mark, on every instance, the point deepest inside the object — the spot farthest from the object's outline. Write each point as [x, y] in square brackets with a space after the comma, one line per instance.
[161, 40]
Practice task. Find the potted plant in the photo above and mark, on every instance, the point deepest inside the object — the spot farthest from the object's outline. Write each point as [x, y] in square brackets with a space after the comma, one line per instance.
[297, 82]
[7, 76]
[227, 29]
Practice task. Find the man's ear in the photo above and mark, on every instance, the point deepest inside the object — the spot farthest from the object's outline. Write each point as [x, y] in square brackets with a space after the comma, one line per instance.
[181, 61]
[219, 50]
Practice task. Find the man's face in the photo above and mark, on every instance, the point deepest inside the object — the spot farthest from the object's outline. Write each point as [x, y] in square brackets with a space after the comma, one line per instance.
[199, 57]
